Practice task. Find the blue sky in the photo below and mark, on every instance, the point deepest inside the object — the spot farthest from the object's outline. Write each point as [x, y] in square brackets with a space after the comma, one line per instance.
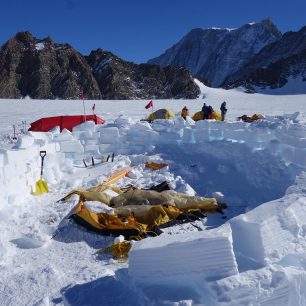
[137, 30]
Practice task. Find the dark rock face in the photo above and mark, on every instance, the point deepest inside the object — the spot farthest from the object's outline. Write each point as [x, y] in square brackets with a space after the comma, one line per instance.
[42, 69]
[119, 79]
[216, 54]
[274, 64]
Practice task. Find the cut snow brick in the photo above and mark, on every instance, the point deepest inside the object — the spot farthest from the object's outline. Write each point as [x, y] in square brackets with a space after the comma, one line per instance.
[271, 231]
[208, 254]
[25, 142]
[73, 146]
[109, 135]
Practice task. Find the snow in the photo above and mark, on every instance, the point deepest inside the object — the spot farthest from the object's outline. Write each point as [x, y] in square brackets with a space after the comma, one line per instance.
[252, 255]
[227, 29]
[39, 46]
[294, 85]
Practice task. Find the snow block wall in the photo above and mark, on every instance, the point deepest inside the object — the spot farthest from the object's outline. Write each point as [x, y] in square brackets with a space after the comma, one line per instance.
[282, 140]
[208, 254]
[20, 166]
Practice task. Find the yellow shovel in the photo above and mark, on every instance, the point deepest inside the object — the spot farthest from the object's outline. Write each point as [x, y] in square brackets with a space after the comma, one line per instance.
[41, 185]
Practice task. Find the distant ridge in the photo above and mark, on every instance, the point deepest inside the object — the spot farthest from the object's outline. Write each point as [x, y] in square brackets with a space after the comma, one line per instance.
[42, 69]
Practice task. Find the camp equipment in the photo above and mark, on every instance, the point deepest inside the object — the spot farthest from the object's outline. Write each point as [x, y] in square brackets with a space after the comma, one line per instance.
[155, 166]
[152, 212]
[161, 114]
[199, 116]
[64, 122]
[246, 118]
[93, 162]
[41, 185]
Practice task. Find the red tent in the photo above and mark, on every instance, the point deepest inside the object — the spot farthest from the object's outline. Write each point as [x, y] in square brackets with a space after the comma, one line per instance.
[64, 122]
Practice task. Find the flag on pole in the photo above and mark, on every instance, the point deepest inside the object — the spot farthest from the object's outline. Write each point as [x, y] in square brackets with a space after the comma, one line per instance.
[150, 104]
[93, 107]
[82, 95]
[82, 98]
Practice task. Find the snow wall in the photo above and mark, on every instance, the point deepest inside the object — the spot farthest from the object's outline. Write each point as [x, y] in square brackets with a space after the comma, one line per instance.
[20, 166]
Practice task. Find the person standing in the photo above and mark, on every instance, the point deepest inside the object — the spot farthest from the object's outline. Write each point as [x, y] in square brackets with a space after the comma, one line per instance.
[210, 112]
[185, 112]
[223, 110]
[205, 111]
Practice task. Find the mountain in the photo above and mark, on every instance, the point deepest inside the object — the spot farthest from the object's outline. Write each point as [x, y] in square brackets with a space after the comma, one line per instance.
[275, 64]
[119, 79]
[216, 54]
[42, 69]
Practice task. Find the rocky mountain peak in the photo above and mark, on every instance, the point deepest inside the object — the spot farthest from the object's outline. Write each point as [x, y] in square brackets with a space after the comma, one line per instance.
[42, 69]
[215, 54]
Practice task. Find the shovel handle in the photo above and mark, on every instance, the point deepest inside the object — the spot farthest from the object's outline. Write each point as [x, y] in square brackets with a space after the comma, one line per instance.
[42, 155]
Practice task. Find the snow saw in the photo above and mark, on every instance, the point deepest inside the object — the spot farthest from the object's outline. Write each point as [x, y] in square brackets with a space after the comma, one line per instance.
[41, 185]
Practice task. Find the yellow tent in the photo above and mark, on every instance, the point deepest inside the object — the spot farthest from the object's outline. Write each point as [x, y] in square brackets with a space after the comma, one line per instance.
[162, 113]
[199, 116]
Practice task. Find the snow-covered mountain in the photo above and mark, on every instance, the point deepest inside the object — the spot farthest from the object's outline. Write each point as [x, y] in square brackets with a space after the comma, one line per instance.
[216, 54]
[275, 64]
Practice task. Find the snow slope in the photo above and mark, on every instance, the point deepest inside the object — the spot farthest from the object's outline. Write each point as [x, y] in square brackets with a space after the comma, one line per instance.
[254, 255]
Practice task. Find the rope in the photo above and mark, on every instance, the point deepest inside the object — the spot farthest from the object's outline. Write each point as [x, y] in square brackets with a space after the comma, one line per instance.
[119, 249]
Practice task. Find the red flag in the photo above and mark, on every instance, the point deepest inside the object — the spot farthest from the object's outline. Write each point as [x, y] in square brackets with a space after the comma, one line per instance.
[150, 104]
[93, 107]
[82, 95]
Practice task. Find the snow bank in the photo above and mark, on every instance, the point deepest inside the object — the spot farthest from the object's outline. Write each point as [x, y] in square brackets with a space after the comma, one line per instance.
[266, 286]
[271, 231]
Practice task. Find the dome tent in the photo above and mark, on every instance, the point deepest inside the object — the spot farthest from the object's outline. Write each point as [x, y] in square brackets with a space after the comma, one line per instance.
[162, 113]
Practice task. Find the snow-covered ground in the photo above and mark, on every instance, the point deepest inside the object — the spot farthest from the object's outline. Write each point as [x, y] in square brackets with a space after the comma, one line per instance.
[254, 255]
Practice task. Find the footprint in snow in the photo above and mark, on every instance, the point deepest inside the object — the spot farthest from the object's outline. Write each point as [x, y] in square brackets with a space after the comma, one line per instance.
[27, 243]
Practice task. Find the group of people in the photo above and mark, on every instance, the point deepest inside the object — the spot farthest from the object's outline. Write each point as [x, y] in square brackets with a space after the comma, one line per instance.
[207, 111]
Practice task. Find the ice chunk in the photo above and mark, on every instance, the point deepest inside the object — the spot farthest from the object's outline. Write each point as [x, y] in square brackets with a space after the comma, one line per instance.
[208, 254]
[72, 146]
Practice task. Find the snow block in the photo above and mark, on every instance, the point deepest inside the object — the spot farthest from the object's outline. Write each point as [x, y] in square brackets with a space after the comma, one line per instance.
[107, 148]
[271, 231]
[54, 158]
[170, 138]
[92, 148]
[266, 286]
[65, 135]
[72, 146]
[25, 142]
[109, 135]
[187, 135]
[21, 155]
[215, 134]
[50, 147]
[40, 135]
[202, 125]
[85, 126]
[208, 254]
[201, 135]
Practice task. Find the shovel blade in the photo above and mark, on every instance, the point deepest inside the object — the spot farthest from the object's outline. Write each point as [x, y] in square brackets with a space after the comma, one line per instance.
[41, 187]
